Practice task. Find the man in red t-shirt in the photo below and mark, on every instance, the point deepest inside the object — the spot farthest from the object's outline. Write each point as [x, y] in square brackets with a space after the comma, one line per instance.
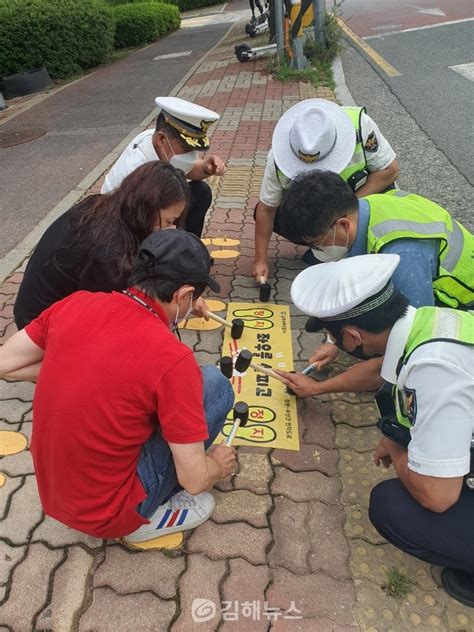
[123, 418]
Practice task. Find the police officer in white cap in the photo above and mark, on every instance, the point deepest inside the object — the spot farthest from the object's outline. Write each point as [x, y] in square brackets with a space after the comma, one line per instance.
[179, 136]
[319, 134]
[427, 412]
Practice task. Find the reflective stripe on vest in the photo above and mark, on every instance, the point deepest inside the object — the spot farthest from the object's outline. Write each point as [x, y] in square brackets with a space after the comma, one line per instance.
[432, 324]
[399, 215]
[358, 161]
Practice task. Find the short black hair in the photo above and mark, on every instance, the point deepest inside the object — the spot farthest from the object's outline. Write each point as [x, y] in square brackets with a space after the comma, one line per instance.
[313, 202]
[376, 320]
[169, 130]
[161, 290]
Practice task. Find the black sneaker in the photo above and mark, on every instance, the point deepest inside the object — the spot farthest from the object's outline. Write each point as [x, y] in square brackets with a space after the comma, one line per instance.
[459, 585]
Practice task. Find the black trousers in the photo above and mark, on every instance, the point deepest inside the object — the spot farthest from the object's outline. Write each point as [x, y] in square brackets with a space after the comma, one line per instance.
[201, 198]
[445, 539]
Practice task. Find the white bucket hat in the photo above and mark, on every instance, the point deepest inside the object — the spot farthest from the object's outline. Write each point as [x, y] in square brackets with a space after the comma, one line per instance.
[313, 134]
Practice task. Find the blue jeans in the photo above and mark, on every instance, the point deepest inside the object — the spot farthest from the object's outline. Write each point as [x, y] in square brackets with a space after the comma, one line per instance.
[156, 466]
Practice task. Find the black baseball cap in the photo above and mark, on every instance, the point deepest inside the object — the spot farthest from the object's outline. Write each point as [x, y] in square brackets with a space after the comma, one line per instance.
[176, 255]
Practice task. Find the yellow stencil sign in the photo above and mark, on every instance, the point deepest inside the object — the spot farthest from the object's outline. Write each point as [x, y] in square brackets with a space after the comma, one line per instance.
[273, 420]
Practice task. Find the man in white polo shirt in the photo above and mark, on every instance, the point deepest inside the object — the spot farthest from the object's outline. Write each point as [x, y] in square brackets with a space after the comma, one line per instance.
[179, 136]
[319, 134]
[427, 411]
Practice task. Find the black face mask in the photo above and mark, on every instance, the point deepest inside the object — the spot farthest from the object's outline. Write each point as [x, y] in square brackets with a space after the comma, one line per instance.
[358, 352]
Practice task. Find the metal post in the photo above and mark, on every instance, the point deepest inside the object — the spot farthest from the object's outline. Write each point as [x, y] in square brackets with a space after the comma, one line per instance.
[318, 9]
[3, 105]
[280, 42]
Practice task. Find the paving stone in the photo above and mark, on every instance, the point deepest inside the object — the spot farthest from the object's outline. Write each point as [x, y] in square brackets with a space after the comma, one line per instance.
[290, 624]
[305, 486]
[291, 544]
[19, 522]
[330, 550]
[17, 390]
[57, 534]
[12, 410]
[246, 583]
[152, 571]
[315, 423]
[354, 414]
[6, 492]
[4, 425]
[142, 611]
[372, 562]
[316, 595]
[230, 540]
[200, 601]
[357, 439]
[242, 505]
[18, 464]
[309, 458]
[254, 472]
[359, 476]
[9, 557]
[69, 589]
[358, 525]
[30, 584]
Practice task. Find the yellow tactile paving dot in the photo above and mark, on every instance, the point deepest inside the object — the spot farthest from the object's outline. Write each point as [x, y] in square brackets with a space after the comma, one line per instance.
[359, 476]
[200, 324]
[354, 414]
[172, 541]
[11, 442]
[3, 479]
[225, 253]
[220, 241]
[357, 439]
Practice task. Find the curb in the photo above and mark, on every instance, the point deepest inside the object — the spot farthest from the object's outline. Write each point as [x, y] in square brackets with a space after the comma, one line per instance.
[15, 257]
[341, 90]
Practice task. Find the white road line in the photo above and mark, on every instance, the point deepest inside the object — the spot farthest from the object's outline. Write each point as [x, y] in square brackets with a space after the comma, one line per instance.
[418, 28]
[466, 70]
[183, 53]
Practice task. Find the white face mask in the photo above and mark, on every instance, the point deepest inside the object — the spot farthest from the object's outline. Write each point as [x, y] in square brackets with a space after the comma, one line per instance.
[179, 318]
[333, 252]
[185, 162]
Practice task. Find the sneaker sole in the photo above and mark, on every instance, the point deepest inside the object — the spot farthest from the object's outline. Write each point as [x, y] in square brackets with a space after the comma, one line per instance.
[159, 533]
[452, 593]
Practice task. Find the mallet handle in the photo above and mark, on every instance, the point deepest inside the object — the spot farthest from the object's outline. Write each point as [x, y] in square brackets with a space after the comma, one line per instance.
[218, 319]
[263, 369]
[308, 369]
[233, 432]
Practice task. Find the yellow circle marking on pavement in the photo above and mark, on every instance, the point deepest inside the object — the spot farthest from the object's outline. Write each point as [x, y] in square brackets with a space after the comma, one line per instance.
[11, 442]
[172, 541]
[224, 254]
[220, 241]
[199, 324]
[214, 305]
[3, 479]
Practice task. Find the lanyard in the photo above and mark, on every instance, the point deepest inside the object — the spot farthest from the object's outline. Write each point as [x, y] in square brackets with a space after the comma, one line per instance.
[138, 300]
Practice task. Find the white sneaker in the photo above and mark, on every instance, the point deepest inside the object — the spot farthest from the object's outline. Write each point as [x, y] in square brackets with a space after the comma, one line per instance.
[180, 513]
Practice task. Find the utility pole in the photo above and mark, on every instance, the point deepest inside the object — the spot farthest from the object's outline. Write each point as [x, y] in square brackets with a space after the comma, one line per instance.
[319, 13]
[280, 41]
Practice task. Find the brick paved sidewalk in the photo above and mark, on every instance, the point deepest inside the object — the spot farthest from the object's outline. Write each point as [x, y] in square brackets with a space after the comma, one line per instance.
[290, 528]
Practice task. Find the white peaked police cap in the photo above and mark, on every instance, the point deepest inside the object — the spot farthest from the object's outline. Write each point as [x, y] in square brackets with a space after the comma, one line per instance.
[191, 121]
[344, 289]
[313, 134]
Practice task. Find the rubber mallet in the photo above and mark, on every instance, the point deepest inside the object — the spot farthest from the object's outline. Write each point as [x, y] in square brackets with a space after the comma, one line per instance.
[265, 290]
[236, 326]
[241, 415]
[226, 365]
[244, 361]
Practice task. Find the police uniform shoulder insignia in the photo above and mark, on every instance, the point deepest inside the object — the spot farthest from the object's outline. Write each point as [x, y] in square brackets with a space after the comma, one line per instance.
[371, 144]
[410, 404]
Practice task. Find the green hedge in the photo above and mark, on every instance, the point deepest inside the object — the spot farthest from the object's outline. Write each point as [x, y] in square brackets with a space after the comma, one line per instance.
[184, 5]
[143, 22]
[66, 36]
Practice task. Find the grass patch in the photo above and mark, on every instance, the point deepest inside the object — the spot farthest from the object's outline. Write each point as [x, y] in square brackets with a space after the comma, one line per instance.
[398, 584]
[318, 76]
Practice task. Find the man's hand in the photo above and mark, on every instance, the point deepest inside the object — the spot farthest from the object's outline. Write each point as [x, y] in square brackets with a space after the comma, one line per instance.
[213, 166]
[324, 355]
[300, 384]
[225, 458]
[200, 308]
[382, 454]
[259, 270]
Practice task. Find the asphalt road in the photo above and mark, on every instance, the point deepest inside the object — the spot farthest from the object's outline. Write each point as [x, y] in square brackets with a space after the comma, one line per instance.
[83, 123]
[426, 167]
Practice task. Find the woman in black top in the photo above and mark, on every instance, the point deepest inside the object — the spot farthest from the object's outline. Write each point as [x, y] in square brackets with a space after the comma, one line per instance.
[92, 246]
